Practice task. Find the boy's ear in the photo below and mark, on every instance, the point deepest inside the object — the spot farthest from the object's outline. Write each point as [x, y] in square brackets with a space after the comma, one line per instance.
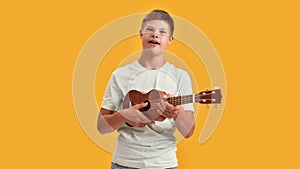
[141, 33]
[171, 38]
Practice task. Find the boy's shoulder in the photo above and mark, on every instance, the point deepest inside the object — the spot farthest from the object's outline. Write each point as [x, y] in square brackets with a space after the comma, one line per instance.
[174, 69]
[129, 68]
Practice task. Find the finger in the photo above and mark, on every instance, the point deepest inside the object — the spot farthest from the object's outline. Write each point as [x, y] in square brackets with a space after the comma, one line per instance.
[141, 105]
[169, 106]
[159, 111]
[178, 107]
[141, 125]
[152, 122]
[144, 119]
[170, 114]
[167, 116]
[160, 107]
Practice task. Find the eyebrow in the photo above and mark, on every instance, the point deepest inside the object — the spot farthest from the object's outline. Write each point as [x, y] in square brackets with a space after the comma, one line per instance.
[149, 26]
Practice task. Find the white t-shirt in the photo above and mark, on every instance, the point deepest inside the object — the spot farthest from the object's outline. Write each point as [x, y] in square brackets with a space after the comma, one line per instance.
[154, 146]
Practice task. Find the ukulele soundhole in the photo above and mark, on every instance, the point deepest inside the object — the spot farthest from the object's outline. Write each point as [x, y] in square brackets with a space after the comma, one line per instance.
[147, 107]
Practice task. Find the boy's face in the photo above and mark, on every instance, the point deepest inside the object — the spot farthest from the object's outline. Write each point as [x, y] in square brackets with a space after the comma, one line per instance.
[156, 34]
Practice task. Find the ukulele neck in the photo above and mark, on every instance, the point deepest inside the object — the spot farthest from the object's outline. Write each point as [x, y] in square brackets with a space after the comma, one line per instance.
[205, 97]
[179, 100]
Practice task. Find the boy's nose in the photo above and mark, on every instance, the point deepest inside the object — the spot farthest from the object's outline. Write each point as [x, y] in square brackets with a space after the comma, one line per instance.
[155, 35]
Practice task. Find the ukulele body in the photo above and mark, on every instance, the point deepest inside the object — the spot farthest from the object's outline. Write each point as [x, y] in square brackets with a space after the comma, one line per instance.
[153, 98]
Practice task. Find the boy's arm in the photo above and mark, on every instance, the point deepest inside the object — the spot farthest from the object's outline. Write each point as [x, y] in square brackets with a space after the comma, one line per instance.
[109, 121]
[184, 119]
[185, 123]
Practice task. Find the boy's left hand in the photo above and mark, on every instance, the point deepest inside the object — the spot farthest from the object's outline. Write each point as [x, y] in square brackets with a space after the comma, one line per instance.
[170, 110]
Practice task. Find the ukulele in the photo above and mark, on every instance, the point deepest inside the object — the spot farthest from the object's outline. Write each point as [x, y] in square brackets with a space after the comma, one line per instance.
[155, 97]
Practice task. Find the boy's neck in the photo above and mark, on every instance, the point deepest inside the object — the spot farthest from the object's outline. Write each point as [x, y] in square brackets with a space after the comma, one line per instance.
[152, 61]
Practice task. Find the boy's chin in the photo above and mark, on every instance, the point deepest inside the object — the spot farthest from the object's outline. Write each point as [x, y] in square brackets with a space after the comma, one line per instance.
[154, 51]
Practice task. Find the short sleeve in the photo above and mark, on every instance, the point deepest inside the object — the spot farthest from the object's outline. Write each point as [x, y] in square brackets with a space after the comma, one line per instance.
[112, 97]
[185, 88]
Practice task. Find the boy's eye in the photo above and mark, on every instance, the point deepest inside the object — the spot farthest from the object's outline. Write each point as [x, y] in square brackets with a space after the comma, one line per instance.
[161, 32]
[149, 29]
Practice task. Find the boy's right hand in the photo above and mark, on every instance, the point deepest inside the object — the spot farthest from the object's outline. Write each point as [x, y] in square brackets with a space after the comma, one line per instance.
[134, 117]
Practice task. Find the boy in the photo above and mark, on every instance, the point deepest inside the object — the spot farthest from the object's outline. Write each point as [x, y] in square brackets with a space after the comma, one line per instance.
[143, 142]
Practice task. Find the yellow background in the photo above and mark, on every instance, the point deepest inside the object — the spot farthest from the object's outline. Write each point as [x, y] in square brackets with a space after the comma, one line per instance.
[258, 44]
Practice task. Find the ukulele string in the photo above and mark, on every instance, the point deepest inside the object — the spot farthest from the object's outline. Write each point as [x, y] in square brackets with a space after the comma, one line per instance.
[184, 99]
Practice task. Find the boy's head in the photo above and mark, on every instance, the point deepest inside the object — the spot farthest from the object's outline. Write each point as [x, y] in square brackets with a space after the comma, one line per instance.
[159, 15]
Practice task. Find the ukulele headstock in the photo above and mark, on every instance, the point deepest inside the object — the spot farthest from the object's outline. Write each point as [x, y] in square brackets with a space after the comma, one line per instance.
[209, 97]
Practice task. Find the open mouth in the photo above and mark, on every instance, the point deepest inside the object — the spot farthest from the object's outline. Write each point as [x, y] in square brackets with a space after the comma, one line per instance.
[154, 42]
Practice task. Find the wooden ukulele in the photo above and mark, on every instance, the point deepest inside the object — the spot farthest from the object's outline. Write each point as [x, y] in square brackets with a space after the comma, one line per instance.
[154, 97]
